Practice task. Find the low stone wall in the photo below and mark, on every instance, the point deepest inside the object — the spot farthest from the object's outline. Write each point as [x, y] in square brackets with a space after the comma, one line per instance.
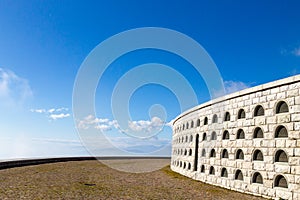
[38, 161]
[26, 162]
[247, 141]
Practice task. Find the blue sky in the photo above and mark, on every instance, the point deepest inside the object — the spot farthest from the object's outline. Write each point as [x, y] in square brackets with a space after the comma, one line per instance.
[44, 43]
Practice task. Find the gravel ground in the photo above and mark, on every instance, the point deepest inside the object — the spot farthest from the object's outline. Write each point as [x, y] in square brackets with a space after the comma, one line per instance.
[93, 180]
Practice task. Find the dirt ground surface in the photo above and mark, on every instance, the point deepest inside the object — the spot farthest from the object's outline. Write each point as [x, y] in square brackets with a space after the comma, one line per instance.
[94, 180]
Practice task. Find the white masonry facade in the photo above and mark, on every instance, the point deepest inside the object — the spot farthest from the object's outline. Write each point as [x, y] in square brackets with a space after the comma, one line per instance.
[248, 141]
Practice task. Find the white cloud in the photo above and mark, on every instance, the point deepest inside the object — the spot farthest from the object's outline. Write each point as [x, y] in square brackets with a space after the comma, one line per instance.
[234, 86]
[51, 110]
[114, 123]
[296, 51]
[146, 126]
[53, 113]
[14, 90]
[38, 110]
[59, 116]
[103, 127]
[102, 124]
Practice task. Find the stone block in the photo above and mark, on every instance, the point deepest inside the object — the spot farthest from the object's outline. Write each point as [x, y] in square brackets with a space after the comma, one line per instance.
[294, 135]
[247, 151]
[293, 93]
[296, 195]
[272, 127]
[289, 151]
[289, 126]
[232, 124]
[297, 179]
[241, 104]
[257, 142]
[295, 170]
[231, 163]
[297, 152]
[268, 143]
[294, 86]
[247, 165]
[224, 162]
[240, 122]
[291, 143]
[232, 184]
[271, 97]
[247, 102]
[271, 192]
[262, 99]
[245, 97]
[270, 167]
[272, 120]
[298, 143]
[254, 188]
[283, 118]
[258, 121]
[255, 100]
[249, 122]
[290, 101]
[290, 178]
[214, 180]
[297, 126]
[239, 164]
[249, 143]
[219, 181]
[284, 88]
[253, 95]
[283, 194]
[282, 168]
[223, 182]
[265, 128]
[297, 100]
[270, 176]
[266, 92]
[262, 190]
[295, 109]
[247, 109]
[239, 143]
[295, 117]
[258, 94]
[259, 165]
[268, 159]
[209, 179]
[269, 112]
[281, 95]
[275, 90]
[238, 185]
[217, 162]
[280, 143]
[268, 136]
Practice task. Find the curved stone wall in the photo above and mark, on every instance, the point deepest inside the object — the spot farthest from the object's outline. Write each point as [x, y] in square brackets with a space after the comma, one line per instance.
[247, 141]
